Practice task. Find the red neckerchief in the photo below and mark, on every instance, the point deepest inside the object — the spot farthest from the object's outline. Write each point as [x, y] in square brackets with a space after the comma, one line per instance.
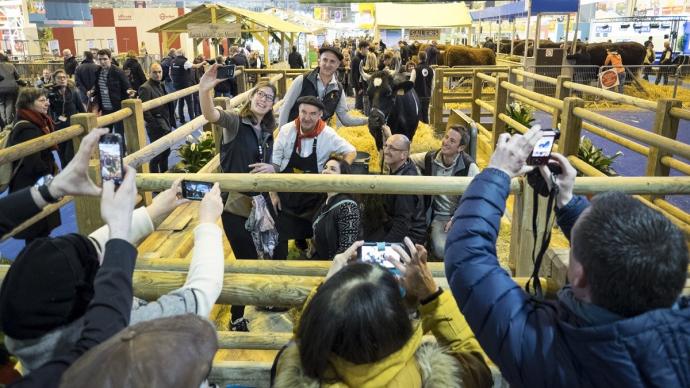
[40, 120]
[314, 133]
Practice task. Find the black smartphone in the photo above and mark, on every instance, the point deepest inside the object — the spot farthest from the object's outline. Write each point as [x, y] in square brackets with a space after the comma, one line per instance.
[227, 71]
[376, 252]
[195, 190]
[542, 150]
[110, 150]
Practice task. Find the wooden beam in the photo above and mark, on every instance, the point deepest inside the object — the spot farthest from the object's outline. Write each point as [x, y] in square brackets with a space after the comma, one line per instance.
[135, 137]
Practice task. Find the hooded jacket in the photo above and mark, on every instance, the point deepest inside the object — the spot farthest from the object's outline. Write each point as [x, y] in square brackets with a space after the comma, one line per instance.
[453, 360]
[567, 343]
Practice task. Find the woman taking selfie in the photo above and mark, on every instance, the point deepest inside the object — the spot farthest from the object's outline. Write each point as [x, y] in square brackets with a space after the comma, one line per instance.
[337, 224]
[246, 147]
[355, 331]
[32, 121]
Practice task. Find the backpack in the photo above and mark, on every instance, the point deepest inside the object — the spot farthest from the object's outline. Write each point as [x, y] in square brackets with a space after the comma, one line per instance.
[6, 171]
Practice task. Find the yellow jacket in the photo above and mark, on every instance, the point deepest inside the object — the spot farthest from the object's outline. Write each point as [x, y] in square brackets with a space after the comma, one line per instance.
[454, 359]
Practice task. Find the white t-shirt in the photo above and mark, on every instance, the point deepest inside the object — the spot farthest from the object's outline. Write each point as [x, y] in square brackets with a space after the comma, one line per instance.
[328, 142]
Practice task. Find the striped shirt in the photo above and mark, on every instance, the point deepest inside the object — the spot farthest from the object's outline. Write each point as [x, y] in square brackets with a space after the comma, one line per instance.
[106, 104]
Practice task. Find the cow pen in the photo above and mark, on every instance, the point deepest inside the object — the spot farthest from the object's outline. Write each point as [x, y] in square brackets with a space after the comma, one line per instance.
[164, 256]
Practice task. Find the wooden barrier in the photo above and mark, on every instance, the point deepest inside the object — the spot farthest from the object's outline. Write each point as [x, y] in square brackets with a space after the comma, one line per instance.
[16, 152]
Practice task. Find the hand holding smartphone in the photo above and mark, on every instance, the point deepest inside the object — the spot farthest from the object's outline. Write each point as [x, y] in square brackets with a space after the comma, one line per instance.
[376, 253]
[195, 190]
[110, 150]
[542, 150]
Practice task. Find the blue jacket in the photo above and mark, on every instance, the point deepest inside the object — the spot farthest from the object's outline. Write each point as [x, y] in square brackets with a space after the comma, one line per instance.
[566, 343]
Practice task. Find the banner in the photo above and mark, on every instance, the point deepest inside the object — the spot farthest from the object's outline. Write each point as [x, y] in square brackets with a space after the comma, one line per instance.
[425, 34]
[203, 30]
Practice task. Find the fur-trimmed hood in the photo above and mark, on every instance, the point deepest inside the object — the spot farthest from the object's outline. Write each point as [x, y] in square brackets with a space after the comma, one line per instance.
[419, 364]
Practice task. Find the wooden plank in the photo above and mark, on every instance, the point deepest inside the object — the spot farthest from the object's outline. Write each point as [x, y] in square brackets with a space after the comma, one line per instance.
[180, 217]
[244, 373]
[252, 340]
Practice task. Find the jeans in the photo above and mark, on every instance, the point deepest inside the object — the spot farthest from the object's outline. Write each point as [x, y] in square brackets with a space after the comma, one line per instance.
[621, 82]
[438, 235]
[190, 107]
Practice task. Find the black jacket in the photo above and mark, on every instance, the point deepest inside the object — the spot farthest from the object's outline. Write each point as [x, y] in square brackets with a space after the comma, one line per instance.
[424, 78]
[117, 87]
[134, 73]
[16, 208]
[165, 64]
[295, 60]
[70, 65]
[160, 117]
[355, 77]
[405, 214]
[28, 170]
[66, 105]
[85, 75]
[107, 314]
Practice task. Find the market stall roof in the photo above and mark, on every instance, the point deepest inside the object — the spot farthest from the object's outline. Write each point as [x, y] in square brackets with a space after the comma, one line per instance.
[202, 14]
[518, 9]
[397, 15]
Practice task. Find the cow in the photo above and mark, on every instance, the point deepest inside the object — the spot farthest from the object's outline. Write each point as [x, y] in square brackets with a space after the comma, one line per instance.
[632, 53]
[468, 56]
[519, 47]
[392, 102]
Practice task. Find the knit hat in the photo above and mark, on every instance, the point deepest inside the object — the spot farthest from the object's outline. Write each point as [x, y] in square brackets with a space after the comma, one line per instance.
[49, 285]
[311, 100]
[166, 352]
[332, 49]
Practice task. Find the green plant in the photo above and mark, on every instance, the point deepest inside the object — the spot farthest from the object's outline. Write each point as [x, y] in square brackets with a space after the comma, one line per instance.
[523, 114]
[595, 157]
[196, 153]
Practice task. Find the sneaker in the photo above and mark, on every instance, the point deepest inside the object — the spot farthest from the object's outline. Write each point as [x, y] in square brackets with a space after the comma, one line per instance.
[240, 324]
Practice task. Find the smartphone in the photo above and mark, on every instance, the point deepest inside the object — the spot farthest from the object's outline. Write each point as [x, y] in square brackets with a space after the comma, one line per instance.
[195, 190]
[376, 252]
[542, 150]
[110, 149]
[227, 71]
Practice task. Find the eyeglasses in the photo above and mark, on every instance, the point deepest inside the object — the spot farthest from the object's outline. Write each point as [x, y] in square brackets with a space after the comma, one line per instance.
[264, 96]
[103, 59]
[61, 77]
[390, 147]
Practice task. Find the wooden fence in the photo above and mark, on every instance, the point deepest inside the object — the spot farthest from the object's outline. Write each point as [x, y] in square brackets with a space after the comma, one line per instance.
[288, 283]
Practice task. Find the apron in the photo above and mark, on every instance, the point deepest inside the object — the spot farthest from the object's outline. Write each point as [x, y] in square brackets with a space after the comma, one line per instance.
[299, 209]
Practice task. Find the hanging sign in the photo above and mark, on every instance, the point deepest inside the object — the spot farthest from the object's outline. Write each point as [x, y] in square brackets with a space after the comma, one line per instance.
[205, 30]
[608, 79]
[425, 34]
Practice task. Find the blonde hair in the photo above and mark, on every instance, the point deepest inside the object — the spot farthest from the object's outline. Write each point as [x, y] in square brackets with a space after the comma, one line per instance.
[372, 63]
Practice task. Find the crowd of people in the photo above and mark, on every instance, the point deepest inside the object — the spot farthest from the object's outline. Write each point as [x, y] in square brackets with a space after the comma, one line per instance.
[67, 304]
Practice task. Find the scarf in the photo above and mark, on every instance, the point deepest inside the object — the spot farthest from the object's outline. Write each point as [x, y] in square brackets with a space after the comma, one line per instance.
[41, 120]
[320, 125]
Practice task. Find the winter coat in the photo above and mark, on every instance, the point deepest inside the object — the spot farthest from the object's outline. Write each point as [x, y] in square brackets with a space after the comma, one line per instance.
[547, 344]
[117, 87]
[8, 78]
[85, 76]
[134, 72]
[70, 64]
[454, 359]
[295, 60]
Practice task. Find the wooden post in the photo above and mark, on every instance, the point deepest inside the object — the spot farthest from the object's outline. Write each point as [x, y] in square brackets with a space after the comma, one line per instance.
[436, 104]
[135, 137]
[571, 126]
[223, 103]
[665, 125]
[512, 78]
[561, 93]
[500, 107]
[521, 233]
[476, 94]
[241, 80]
[282, 84]
[87, 209]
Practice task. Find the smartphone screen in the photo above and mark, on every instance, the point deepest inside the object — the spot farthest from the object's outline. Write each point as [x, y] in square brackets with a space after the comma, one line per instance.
[227, 71]
[542, 150]
[376, 252]
[195, 190]
[110, 155]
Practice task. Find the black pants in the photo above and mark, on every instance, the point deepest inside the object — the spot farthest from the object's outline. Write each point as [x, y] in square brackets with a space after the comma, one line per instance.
[424, 110]
[242, 246]
[190, 107]
[359, 100]
[197, 104]
[118, 127]
[159, 163]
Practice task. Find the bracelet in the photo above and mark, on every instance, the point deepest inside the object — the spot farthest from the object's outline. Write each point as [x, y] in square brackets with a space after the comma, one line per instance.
[45, 194]
[432, 297]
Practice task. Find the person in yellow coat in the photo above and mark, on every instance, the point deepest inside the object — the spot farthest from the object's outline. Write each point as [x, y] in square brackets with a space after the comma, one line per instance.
[356, 330]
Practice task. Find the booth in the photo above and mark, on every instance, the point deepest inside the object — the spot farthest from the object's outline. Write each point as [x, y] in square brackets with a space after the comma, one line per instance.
[415, 17]
[229, 22]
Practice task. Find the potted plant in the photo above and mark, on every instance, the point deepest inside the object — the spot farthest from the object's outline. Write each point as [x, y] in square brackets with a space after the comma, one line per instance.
[523, 114]
[595, 157]
[195, 153]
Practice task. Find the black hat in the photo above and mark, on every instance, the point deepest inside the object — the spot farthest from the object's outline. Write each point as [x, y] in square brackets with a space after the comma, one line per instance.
[332, 49]
[175, 351]
[49, 285]
[311, 100]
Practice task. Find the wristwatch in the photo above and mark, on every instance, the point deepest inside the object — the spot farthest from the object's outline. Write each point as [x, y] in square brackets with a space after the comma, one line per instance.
[42, 185]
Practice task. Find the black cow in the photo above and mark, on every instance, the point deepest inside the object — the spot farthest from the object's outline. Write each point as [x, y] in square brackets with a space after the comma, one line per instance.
[393, 102]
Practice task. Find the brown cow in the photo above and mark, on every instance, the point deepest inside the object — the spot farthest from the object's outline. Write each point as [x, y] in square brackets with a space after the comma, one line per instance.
[468, 56]
[519, 48]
